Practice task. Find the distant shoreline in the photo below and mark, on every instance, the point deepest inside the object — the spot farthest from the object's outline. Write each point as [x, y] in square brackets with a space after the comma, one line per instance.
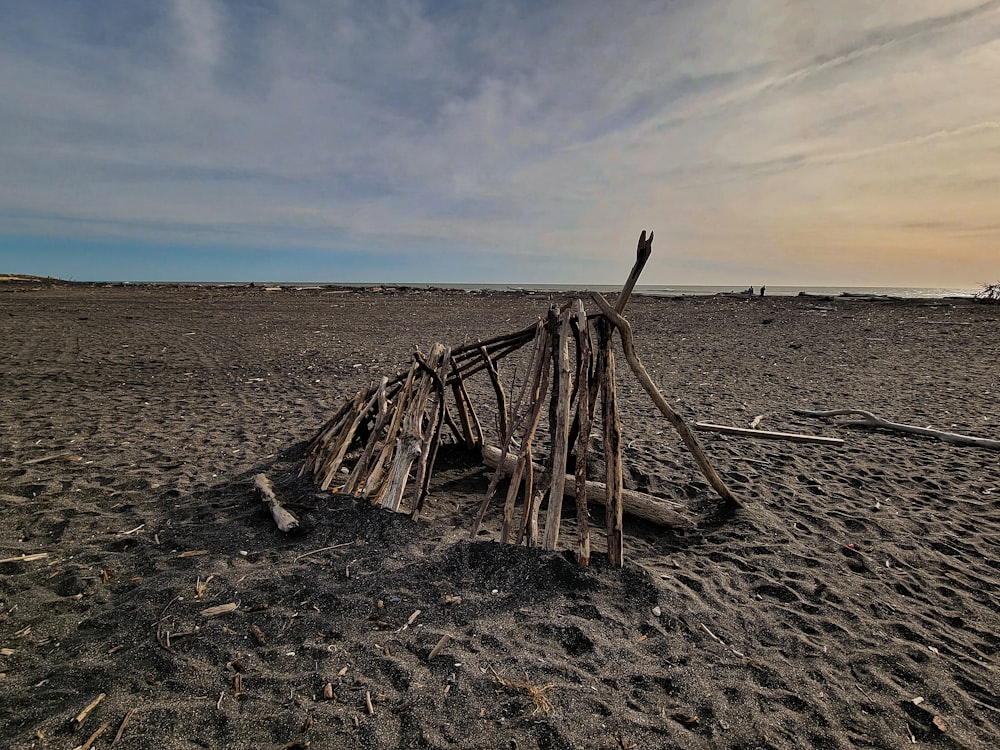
[653, 290]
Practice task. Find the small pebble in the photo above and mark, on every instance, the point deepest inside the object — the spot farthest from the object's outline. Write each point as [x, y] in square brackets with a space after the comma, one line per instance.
[657, 611]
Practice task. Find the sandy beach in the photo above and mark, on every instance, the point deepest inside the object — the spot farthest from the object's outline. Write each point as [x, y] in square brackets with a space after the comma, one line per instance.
[852, 604]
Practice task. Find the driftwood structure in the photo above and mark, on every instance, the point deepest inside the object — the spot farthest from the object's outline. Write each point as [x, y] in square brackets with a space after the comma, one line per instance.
[390, 432]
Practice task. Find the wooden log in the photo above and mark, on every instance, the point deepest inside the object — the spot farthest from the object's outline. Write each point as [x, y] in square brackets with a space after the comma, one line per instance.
[793, 437]
[867, 419]
[283, 519]
[581, 330]
[687, 435]
[612, 448]
[561, 385]
[639, 504]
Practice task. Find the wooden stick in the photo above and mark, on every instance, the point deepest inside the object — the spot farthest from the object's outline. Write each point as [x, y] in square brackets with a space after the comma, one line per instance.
[410, 445]
[283, 519]
[93, 738]
[612, 448]
[561, 385]
[331, 466]
[793, 437]
[583, 426]
[432, 440]
[319, 446]
[642, 253]
[870, 420]
[625, 330]
[26, 558]
[473, 439]
[538, 380]
[654, 509]
[373, 484]
[494, 374]
[81, 717]
[361, 468]
[121, 727]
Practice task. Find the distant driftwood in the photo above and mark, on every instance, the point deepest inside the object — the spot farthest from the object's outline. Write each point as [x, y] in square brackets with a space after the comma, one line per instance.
[867, 419]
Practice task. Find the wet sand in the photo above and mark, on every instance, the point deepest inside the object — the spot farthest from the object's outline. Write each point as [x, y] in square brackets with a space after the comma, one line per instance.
[859, 578]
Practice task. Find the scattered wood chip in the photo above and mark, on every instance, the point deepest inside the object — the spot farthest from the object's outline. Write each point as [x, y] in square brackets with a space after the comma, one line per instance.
[368, 702]
[221, 609]
[413, 618]
[192, 553]
[258, 635]
[439, 647]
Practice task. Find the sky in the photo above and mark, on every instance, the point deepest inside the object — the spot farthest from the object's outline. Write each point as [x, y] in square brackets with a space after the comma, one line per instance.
[808, 142]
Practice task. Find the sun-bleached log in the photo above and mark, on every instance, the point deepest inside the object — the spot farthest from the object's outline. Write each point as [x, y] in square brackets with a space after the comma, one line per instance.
[639, 504]
[283, 518]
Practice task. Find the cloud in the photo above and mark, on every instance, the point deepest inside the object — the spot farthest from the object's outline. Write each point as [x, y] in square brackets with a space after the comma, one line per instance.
[771, 131]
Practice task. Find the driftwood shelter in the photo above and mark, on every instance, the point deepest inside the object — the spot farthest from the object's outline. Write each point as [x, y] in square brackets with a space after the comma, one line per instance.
[386, 437]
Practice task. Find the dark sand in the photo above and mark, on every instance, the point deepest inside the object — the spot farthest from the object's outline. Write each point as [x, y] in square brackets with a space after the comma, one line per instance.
[859, 578]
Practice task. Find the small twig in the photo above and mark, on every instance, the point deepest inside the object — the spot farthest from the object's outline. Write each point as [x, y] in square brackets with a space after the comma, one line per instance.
[81, 717]
[368, 702]
[321, 549]
[121, 728]
[439, 647]
[93, 738]
[26, 558]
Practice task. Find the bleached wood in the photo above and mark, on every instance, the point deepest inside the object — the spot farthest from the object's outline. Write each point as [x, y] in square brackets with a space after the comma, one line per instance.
[793, 437]
[639, 504]
[870, 420]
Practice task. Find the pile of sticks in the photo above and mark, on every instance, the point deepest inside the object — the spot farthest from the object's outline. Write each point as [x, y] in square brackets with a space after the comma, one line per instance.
[393, 429]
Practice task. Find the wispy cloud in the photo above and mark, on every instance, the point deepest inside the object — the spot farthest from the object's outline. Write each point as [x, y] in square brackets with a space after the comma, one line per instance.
[785, 137]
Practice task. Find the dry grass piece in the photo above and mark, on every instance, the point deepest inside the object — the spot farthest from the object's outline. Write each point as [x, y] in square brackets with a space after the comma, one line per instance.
[542, 703]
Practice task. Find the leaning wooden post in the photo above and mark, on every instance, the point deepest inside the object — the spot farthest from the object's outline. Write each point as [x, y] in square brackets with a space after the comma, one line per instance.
[583, 347]
[559, 321]
[625, 330]
[612, 447]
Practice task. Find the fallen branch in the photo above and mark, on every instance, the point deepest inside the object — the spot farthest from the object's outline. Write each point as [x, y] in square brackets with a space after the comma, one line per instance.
[638, 504]
[867, 419]
[284, 520]
[793, 437]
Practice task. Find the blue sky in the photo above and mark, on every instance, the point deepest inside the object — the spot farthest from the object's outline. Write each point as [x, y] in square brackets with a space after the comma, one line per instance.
[854, 142]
